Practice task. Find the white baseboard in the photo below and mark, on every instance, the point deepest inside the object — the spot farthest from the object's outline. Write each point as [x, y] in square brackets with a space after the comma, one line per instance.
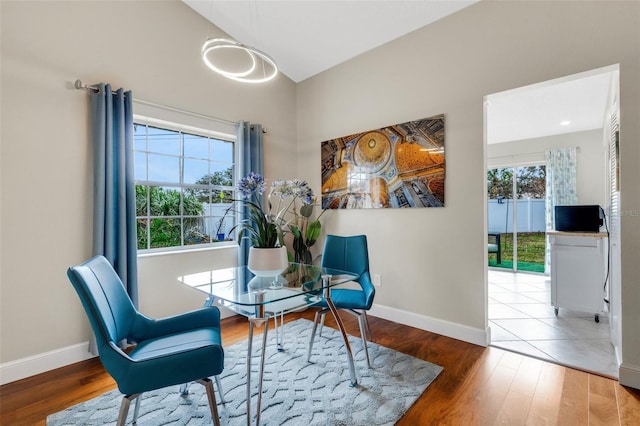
[36, 364]
[40, 363]
[629, 375]
[477, 336]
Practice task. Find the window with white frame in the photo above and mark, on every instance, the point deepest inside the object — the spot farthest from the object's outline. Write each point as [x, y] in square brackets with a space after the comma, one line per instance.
[184, 180]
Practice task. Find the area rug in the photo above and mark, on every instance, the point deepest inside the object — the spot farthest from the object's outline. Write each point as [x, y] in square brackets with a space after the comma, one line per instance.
[295, 392]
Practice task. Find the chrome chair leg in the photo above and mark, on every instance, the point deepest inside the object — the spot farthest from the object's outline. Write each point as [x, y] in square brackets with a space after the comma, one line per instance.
[136, 410]
[124, 408]
[361, 320]
[184, 389]
[323, 313]
[208, 385]
[366, 323]
[220, 391]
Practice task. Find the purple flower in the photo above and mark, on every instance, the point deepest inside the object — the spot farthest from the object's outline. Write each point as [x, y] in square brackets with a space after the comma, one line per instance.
[294, 188]
[250, 185]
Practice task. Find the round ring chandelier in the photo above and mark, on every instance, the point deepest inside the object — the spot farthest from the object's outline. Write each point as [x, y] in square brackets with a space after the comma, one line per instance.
[249, 75]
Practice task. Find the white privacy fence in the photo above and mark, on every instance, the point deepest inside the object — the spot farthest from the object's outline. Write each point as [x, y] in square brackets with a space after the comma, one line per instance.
[531, 215]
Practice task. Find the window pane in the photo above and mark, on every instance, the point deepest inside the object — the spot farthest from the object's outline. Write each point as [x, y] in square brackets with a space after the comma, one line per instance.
[220, 196]
[221, 174]
[164, 141]
[142, 204]
[195, 231]
[165, 233]
[201, 194]
[142, 228]
[196, 146]
[140, 167]
[140, 137]
[222, 150]
[164, 201]
[195, 171]
[164, 169]
[192, 206]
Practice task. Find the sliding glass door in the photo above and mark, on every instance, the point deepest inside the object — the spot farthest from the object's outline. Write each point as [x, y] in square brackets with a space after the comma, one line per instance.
[516, 217]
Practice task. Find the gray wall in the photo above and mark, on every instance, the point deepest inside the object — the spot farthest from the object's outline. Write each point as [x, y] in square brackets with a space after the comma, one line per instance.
[433, 261]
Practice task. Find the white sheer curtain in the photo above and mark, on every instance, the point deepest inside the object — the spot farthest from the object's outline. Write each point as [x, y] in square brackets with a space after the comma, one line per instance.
[561, 186]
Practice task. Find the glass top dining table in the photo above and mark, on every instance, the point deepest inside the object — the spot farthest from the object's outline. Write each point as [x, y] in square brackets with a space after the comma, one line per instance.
[261, 298]
[239, 290]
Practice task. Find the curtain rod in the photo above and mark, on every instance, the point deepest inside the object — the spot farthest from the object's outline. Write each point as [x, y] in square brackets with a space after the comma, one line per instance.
[81, 86]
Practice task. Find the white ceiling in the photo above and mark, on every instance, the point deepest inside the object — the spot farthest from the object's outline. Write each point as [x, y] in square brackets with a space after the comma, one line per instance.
[567, 105]
[306, 37]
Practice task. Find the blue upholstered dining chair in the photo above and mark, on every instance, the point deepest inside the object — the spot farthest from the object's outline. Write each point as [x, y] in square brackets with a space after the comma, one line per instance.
[348, 254]
[168, 351]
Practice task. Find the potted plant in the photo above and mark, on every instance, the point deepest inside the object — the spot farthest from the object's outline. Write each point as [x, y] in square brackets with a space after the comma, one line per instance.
[288, 207]
[267, 255]
[220, 234]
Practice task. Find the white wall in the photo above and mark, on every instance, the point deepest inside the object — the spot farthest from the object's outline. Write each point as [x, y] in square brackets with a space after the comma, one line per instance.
[152, 48]
[433, 260]
[591, 175]
[158, 274]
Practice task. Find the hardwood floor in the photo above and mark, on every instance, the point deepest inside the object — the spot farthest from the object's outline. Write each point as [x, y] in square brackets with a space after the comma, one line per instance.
[479, 386]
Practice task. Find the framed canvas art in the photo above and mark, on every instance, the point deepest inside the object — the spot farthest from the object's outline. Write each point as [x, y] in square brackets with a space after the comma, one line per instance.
[399, 166]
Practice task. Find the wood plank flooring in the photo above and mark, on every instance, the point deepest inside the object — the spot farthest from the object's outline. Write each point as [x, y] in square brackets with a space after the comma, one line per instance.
[479, 386]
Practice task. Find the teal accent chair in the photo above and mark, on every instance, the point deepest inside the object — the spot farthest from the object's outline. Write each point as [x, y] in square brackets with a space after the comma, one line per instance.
[168, 351]
[348, 254]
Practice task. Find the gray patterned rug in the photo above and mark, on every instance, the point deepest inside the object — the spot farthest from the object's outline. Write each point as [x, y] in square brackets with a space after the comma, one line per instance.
[294, 392]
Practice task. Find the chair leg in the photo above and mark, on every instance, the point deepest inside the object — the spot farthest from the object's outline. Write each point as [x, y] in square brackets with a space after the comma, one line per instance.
[208, 385]
[136, 410]
[366, 323]
[220, 391]
[124, 408]
[323, 313]
[363, 334]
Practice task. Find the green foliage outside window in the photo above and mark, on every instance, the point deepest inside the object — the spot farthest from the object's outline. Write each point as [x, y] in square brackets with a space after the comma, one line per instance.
[166, 231]
[530, 182]
[222, 178]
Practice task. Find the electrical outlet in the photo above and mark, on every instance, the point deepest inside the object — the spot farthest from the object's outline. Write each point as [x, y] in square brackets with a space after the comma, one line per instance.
[377, 280]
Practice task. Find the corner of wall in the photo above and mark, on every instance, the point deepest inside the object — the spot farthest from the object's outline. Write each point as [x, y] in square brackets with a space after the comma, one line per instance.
[30, 366]
[629, 375]
[465, 333]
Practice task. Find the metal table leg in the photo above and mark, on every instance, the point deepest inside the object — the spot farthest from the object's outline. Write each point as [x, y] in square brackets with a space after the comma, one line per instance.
[327, 295]
[260, 320]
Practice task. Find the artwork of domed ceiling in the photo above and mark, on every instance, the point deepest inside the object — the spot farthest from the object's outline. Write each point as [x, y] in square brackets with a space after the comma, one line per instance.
[397, 166]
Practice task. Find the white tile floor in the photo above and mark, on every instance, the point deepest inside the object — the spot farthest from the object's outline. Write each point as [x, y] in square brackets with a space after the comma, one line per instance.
[522, 320]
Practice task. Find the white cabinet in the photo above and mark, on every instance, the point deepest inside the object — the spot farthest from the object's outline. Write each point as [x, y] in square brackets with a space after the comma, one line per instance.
[578, 271]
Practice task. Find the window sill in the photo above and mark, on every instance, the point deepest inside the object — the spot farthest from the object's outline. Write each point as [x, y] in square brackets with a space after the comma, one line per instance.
[185, 250]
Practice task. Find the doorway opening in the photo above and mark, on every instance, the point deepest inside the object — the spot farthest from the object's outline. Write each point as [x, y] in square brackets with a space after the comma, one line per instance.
[523, 127]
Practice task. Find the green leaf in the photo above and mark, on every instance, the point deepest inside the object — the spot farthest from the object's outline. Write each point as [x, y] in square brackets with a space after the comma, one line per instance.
[313, 232]
[295, 231]
[306, 210]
